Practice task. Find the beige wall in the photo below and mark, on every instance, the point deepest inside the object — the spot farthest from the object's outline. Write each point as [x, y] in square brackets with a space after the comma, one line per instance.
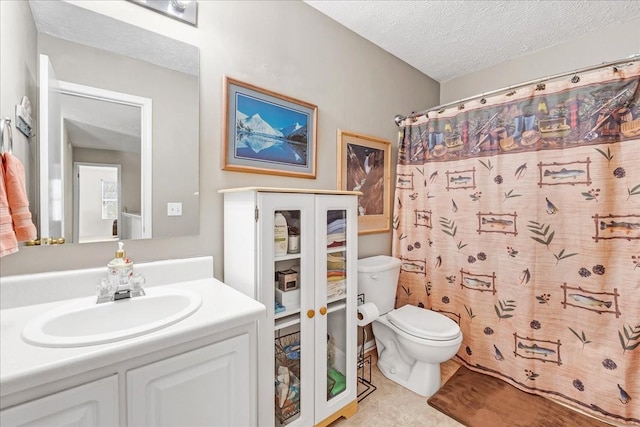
[18, 65]
[610, 44]
[287, 47]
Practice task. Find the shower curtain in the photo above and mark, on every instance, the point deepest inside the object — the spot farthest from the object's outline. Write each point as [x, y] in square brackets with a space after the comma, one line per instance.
[518, 216]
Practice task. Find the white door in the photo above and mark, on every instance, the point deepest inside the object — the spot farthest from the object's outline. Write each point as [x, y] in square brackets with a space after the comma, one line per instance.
[90, 405]
[50, 158]
[96, 196]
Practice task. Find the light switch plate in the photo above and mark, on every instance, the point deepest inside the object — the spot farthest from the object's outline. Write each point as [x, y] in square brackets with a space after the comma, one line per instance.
[174, 209]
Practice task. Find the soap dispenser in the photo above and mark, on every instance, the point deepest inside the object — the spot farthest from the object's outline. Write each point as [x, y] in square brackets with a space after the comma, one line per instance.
[120, 268]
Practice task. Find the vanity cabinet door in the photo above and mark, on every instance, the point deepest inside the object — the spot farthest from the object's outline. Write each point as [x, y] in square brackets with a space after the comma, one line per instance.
[210, 386]
[92, 404]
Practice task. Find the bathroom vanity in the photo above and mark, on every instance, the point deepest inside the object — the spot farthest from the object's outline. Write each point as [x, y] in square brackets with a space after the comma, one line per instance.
[200, 370]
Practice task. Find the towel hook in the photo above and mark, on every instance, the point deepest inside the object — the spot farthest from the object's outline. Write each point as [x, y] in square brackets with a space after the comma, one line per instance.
[5, 122]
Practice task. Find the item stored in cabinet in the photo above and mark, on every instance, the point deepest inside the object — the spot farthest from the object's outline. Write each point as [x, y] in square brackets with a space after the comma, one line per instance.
[287, 280]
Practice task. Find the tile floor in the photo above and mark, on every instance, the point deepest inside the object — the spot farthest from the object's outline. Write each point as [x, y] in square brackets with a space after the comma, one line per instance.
[393, 405]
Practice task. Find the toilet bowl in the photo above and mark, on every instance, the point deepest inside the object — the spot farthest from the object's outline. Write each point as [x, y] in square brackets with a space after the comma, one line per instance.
[411, 342]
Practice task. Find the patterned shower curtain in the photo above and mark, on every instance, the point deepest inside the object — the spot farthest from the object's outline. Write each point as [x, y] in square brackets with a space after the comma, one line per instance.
[518, 216]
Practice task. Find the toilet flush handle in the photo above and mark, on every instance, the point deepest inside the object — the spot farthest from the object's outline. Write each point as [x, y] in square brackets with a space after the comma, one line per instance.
[374, 276]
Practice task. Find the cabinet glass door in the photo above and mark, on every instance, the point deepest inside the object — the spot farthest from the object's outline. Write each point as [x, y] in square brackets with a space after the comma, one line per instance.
[335, 329]
[287, 312]
[287, 284]
[336, 295]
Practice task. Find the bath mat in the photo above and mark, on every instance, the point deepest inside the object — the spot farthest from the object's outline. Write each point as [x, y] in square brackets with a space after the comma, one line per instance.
[479, 400]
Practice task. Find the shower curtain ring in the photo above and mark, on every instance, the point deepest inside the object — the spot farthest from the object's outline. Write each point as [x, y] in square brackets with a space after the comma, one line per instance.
[576, 78]
[483, 100]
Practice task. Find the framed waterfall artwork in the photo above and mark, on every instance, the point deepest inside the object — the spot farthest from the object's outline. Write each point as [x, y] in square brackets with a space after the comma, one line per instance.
[364, 164]
[266, 132]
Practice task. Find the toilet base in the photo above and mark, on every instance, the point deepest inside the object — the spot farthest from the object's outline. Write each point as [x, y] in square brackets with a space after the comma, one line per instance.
[424, 378]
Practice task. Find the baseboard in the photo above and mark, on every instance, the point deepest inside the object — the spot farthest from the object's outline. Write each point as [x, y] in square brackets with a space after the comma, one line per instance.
[369, 346]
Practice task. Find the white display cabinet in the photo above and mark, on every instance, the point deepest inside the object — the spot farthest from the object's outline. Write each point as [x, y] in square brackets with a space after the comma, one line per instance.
[307, 348]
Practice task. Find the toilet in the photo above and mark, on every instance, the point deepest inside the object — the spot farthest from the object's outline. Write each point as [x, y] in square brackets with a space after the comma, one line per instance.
[411, 342]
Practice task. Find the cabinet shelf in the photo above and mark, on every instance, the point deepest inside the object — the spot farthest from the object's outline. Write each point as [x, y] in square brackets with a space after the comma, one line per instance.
[287, 257]
[337, 304]
[287, 312]
[287, 320]
[337, 249]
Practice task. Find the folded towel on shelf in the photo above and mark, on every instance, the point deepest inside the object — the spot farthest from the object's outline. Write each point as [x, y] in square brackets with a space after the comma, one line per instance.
[335, 215]
[336, 273]
[339, 225]
[337, 244]
[335, 289]
[8, 241]
[335, 262]
[14, 179]
[336, 239]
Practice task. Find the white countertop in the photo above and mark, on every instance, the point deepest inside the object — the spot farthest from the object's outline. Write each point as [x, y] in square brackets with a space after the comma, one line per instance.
[23, 366]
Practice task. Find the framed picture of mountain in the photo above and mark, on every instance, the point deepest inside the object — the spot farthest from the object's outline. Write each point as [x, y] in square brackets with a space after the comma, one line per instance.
[364, 164]
[266, 132]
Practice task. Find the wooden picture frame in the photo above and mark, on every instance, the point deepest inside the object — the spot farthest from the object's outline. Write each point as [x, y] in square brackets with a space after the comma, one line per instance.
[364, 164]
[266, 132]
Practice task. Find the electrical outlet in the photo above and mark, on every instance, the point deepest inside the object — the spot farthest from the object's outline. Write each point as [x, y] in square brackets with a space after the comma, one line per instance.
[174, 209]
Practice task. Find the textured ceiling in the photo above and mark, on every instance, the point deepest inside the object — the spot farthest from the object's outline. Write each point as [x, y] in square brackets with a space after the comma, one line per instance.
[447, 39]
[79, 25]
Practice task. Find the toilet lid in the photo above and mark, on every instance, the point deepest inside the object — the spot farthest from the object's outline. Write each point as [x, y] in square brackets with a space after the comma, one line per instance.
[424, 323]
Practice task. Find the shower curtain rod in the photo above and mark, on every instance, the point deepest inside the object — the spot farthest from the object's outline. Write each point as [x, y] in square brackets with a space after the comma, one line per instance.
[636, 57]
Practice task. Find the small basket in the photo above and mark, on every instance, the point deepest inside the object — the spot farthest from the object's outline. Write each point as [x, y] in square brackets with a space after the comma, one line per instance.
[287, 353]
[291, 406]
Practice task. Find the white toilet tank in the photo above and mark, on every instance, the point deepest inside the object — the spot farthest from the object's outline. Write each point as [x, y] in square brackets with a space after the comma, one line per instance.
[378, 280]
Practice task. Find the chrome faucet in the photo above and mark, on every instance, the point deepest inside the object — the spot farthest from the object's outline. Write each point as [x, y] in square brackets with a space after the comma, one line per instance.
[108, 291]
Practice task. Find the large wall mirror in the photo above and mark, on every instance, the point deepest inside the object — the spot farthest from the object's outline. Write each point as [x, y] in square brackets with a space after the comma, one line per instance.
[117, 128]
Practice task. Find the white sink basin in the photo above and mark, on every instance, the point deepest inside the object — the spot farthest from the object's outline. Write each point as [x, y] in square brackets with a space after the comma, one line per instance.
[83, 322]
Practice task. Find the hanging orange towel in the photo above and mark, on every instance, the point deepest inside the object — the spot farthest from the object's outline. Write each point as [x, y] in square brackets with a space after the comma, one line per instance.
[8, 242]
[14, 179]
